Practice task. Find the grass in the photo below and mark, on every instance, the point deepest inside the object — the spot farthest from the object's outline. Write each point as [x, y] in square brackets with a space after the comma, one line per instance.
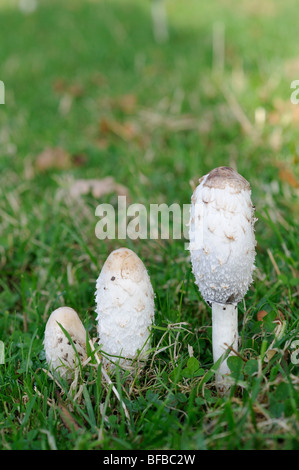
[71, 72]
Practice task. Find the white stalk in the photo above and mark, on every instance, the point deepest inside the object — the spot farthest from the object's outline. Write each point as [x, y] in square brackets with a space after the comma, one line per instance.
[222, 248]
[224, 335]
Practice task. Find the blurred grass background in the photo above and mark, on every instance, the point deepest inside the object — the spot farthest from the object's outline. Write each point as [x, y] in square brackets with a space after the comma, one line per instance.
[91, 91]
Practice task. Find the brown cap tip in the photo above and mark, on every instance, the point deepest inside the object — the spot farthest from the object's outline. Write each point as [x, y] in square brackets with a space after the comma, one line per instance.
[222, 176]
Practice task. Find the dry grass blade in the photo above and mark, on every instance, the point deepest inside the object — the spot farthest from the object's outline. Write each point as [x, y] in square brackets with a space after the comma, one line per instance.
[109, 381]
[236, 353]
[154, 120]
[50, 401]
[218, 47]
[277, 270]
[48, 373]
[172, 326]
[67, 418]
[125, 131]
[238, 112]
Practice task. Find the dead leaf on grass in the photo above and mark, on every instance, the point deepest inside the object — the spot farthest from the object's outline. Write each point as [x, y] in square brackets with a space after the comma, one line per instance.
[278, 331]
[97, 187]
[79, 159]
[126, 131]
[68, 92]
[126, 103]
[291, 67]
[102, 143]
[61, 86]
[285, 113]
[279, 317]
[98, 79]
[58, 158]
[67, 418]
[287, 176]
[53, 158]
[256, 8]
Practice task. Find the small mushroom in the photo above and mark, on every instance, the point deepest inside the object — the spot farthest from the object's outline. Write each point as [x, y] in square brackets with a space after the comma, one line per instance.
[222, 248]
[60, 353]
[124, 307]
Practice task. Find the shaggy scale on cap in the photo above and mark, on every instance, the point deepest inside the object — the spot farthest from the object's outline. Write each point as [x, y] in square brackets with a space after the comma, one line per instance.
[124, 306]
[222, 241]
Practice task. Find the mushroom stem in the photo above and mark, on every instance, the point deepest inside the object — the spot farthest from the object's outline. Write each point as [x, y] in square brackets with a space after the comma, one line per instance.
[224, 334]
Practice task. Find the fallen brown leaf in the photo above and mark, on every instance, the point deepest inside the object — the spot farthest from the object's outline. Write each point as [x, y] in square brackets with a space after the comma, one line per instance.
[67, 418]
[97, 187]
[98, 79]
[79, 159]
[278, 331]
[53, 158]
[291, 67]
[125, 131]
[276, 139]
[102, 143]
[279, 317]
[59, 85]
[74, 89]
[256, 8]
[126, 103]
[287, 176]
[284, 112]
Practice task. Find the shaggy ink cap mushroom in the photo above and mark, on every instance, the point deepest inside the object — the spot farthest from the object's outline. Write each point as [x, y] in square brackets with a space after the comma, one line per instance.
[60, 354]
[222, 242]
[124, 307]
[222, 249]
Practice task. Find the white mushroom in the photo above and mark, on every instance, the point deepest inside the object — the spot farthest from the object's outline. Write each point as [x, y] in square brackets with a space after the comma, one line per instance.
[222, 247]
[60, 353]
[124, 307]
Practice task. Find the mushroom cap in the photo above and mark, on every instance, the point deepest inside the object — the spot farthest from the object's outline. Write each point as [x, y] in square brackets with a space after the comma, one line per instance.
[60, 354]
[221, 233]
[124, 307]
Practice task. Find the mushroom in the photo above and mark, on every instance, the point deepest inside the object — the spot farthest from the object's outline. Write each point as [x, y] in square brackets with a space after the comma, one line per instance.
[125, 308]
[60, 353]
[222, 248]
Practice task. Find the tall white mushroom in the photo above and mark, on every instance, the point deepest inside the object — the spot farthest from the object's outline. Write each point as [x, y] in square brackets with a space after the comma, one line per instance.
[124, 307]
[222, 248]
[60, 354]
